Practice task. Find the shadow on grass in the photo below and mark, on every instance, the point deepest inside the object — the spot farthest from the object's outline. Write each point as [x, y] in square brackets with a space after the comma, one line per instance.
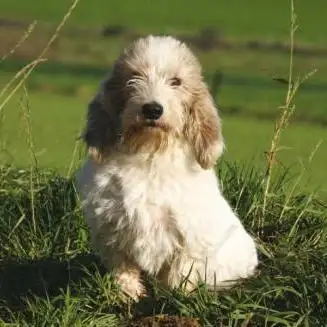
[20, 280]
[42, 278]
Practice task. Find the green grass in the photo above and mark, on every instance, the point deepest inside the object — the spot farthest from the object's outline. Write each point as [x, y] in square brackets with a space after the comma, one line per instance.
[253, 19]
[247, 140]
[49, 277]
[56, 124]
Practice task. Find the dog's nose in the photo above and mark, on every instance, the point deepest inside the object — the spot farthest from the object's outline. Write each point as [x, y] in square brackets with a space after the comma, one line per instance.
[152, 110]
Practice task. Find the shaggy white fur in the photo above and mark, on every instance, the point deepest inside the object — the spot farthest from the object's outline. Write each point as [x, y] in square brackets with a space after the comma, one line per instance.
[150, 194]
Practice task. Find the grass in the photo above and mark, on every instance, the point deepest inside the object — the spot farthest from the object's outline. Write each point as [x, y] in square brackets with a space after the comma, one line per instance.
[50, 278]
[55, 132]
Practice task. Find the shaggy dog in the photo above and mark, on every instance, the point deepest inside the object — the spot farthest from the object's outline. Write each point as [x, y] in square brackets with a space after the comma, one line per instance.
[150, 193]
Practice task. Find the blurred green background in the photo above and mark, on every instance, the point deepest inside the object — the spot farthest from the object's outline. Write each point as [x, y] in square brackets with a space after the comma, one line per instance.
[242, 45]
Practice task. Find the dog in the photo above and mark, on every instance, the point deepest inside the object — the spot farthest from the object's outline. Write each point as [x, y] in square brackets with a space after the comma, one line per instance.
[149, 190]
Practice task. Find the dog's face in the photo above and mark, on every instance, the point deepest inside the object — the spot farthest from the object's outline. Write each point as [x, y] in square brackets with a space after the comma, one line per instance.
[156, 94]
[158, 77]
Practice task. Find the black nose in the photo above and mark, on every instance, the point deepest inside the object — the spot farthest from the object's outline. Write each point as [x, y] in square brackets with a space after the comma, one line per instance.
[152, 110]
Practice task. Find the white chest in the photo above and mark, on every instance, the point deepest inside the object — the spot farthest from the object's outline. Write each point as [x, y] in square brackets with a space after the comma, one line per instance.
[141, 201]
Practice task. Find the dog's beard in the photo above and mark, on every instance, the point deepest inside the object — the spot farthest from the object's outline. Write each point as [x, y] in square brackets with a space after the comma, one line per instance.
[147, 137]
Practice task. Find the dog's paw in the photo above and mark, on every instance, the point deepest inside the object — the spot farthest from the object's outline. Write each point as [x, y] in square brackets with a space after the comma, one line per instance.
[130, 283]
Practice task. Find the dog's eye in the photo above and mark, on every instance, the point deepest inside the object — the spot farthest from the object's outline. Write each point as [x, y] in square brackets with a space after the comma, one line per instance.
[133, 78]
[135, 74]
[175, 81]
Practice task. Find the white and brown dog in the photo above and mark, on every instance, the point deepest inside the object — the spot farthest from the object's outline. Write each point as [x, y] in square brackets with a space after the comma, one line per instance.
[150, 193]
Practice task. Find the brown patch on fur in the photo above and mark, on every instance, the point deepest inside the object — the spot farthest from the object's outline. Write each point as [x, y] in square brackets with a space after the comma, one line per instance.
[203, 128]
[164, 274]
[141, 137]
[96, 130]
[128, 276]
[102, 130]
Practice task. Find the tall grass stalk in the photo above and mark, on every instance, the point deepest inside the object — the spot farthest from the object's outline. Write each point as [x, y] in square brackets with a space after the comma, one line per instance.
[24, 37]
[25, 106]
[286, 112]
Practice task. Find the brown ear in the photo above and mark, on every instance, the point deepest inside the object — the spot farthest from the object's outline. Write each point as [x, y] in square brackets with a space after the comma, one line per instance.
[101, 131]
[203, 129]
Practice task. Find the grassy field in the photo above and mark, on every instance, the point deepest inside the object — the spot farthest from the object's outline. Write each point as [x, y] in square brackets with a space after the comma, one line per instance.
[253, 19]
[49, 275]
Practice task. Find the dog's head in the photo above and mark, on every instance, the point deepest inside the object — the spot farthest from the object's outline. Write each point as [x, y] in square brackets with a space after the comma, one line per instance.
[154, 95]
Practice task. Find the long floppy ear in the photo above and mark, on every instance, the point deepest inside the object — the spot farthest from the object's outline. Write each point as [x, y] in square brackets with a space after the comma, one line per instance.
[101, 131]
[203, 129]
